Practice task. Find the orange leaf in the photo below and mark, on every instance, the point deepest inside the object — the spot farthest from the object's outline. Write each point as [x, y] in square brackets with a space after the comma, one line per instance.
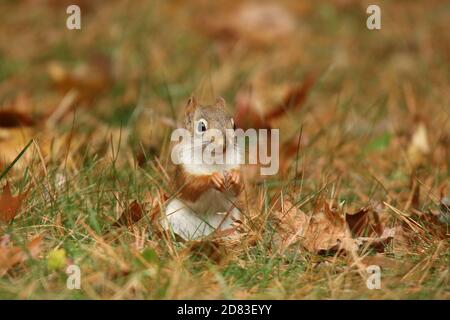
[14, 119]
[10, 205]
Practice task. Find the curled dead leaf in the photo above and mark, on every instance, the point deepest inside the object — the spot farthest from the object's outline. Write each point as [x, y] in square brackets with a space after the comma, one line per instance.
[9, 204]
[364, 222]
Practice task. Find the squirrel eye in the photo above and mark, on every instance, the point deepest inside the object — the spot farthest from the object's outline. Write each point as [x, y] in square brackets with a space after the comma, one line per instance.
[201, 126]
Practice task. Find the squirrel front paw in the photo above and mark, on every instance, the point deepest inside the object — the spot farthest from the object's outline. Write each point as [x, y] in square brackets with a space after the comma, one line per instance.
[218, 181]
[234, 177]
[233, 181]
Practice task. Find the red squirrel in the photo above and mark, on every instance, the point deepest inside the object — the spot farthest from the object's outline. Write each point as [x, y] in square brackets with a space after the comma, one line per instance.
[207, 193]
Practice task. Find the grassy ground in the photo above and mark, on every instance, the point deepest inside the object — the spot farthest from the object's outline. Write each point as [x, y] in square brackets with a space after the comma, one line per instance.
[99, 102]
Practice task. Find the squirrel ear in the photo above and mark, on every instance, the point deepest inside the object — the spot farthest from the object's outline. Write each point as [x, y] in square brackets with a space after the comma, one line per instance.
[191, 104]
[221, 102]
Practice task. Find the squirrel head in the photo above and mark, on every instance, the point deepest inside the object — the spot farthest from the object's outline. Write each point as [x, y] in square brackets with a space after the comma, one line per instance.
[200, 118]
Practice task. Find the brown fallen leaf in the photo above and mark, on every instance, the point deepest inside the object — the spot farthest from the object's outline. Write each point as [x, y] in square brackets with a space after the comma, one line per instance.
[319, 232]
[132, 214]
[10, 205]
[248, 116]
[13, 118]
[136, 211]
[88, 80]
[12, 256]
[293, 99]
[364, 222]
[326, 230]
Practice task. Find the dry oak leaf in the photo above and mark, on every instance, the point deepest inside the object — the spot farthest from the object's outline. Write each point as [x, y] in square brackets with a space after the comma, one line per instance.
[365, 222]
[11, 256]
[367, 227]
[321, 232]
[326, 230]
[9, 204]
